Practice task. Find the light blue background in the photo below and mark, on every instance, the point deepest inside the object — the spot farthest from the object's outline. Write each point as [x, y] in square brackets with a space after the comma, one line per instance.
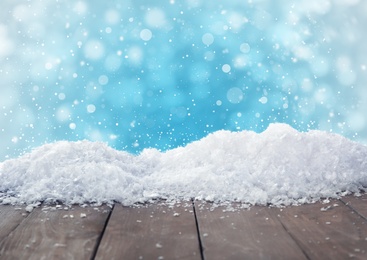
[140, 74]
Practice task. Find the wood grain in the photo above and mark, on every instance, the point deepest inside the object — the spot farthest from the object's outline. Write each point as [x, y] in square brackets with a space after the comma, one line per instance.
[56, 233]
[244, 234]
[151, 232]
[359, 204]
[10, 218]
[326, 231]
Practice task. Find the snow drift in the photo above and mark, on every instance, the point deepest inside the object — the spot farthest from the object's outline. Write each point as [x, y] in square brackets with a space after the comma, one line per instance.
[280, 166]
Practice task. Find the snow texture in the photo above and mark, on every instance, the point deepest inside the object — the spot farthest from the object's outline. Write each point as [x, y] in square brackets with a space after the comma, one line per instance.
[280, 166]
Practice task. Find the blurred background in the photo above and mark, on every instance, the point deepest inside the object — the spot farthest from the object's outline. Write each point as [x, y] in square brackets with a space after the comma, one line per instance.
[139, 73]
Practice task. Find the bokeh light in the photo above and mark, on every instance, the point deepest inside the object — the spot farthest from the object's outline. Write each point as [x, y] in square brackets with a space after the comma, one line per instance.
[139, 74]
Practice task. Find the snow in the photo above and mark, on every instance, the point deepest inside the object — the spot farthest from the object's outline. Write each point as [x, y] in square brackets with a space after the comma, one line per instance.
[280, 166]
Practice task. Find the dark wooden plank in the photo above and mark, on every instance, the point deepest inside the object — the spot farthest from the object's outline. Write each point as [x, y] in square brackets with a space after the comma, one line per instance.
[244, 234]
[152, 232]
[359, 204]
[326, 231]
[10, 218]
[56, 233]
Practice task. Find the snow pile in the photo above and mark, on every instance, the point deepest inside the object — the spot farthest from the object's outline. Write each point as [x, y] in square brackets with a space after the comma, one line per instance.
[278, 166]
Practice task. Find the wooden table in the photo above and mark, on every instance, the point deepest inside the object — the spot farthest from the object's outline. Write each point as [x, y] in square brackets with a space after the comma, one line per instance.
[187, 230]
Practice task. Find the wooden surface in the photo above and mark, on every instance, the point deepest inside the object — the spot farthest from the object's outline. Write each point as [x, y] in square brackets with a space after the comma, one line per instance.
[358, 204]
[250, 234]
[10, 218]
[152, 232]
[56, 233]
[335, 229]
[327, 231]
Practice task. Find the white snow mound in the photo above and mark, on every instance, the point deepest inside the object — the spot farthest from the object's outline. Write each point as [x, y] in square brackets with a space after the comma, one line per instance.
[280, 166]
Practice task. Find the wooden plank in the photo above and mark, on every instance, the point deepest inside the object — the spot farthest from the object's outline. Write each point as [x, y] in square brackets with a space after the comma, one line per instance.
[56, 233]
[152, 232]
[359, 204]
[244, 234]
[10, 218]
[326, 231]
